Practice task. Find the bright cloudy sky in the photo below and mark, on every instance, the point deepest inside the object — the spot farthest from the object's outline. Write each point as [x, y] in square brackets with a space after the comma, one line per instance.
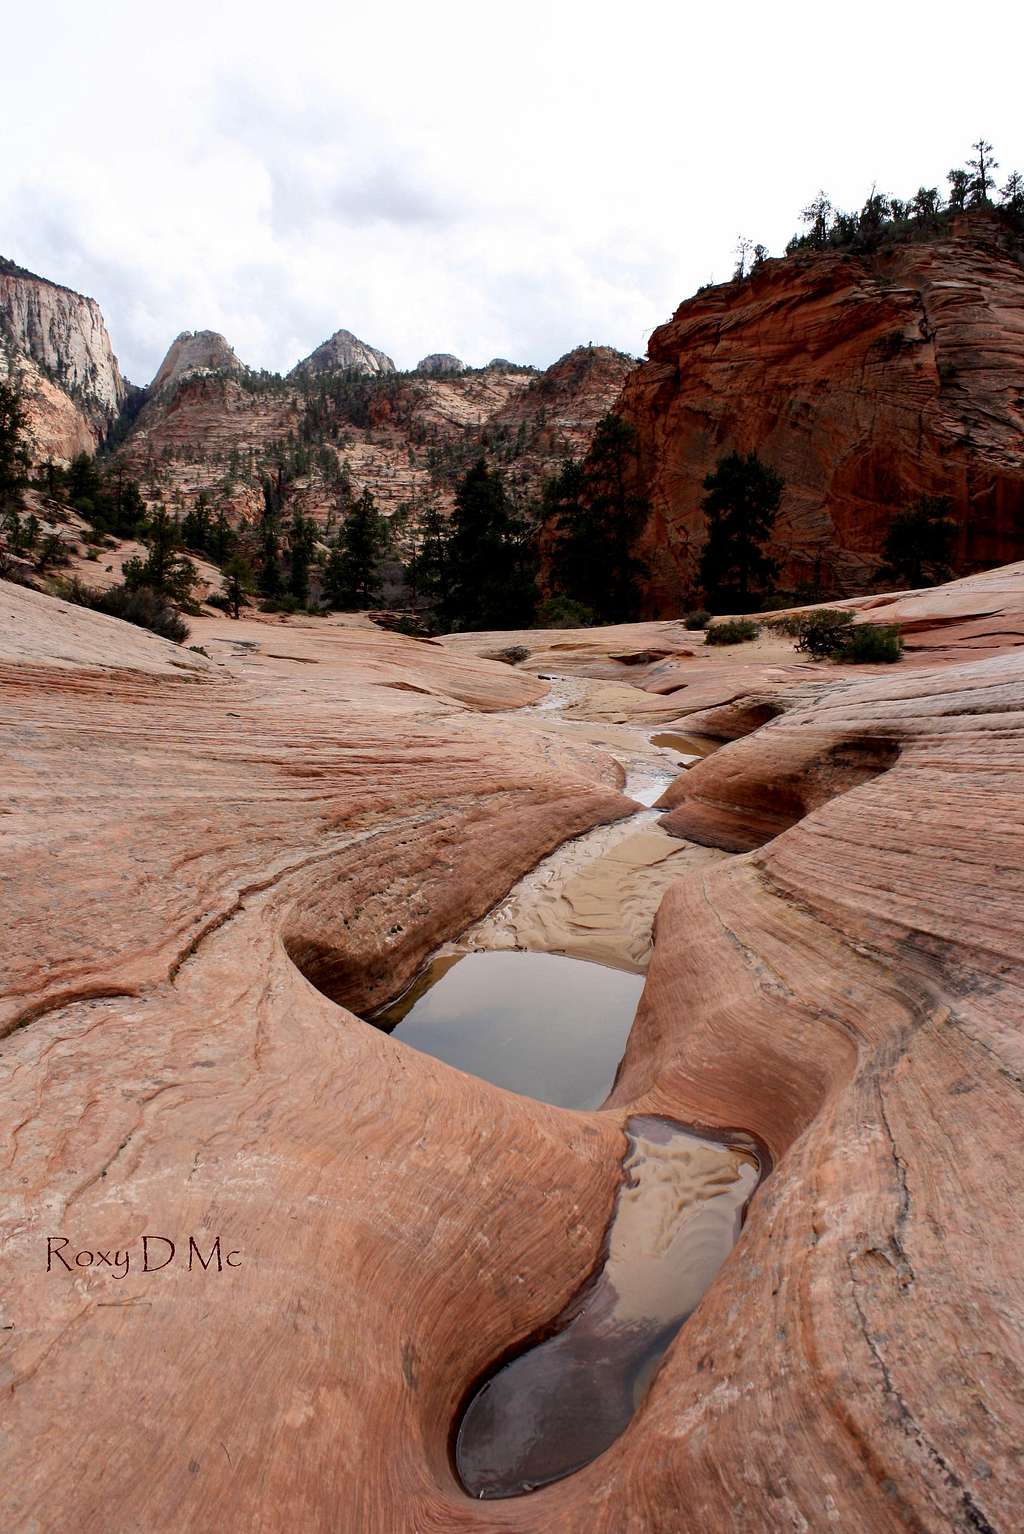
[485, 179]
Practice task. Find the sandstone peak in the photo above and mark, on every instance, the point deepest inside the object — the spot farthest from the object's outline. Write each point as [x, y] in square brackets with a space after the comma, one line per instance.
[343, 353]
[439, 362]
[195, 351]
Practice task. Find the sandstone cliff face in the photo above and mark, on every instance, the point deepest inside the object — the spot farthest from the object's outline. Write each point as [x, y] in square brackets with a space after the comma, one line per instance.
[557, 411]
[406, 441]
[194, 351]
[55, 342]
[343, 353]
[865, 381]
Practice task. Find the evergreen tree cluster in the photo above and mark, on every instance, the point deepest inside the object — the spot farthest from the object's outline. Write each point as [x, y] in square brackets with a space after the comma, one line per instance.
[885, 218]
[594, 515]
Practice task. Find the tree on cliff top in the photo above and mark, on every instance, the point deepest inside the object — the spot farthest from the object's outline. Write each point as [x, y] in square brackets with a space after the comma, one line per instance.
[740, 507]
[596, 515]
[13, 453]
[982, 181]
[918, 546]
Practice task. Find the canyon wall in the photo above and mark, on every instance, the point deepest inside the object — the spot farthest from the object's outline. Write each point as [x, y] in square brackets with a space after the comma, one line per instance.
[405, 437]
[865, 381]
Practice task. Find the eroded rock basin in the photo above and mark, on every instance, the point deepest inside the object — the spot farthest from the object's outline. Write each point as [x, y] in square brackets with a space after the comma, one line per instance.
[540, 1024]
[564, 1397]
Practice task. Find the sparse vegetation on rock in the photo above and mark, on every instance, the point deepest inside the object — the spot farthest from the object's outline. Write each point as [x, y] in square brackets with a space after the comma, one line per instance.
[732, 631]
[141, 605]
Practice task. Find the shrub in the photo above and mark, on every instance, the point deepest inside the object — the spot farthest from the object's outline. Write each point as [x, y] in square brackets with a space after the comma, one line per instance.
[789, 623]
[823, 634]
[514, 654]
[830, 634]
[286, 603]
[733, 631]
[871, 643]
[697, 620]
[563, 613]
[141, 605]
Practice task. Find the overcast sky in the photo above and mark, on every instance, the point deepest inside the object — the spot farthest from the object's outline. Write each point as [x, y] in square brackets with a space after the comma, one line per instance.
[485, 179]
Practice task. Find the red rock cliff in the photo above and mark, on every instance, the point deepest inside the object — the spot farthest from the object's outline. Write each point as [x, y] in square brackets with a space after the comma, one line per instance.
[865, 380]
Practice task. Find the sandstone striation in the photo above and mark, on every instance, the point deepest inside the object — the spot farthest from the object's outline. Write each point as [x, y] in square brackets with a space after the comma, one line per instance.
[866, 381]
[404, 437]
[209, 860]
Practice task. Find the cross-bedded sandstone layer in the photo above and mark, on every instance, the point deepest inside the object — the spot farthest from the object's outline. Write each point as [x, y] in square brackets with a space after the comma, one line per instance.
[187, 839]
[865, 381]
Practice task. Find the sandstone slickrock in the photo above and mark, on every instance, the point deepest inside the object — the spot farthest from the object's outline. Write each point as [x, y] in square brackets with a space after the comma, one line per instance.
[187, 839]
[56, 344]
[865, 381]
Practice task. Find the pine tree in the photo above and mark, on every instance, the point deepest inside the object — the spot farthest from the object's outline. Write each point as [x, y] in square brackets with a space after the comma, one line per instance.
[166, 569]
[222, 538]
[429, 570]
[982, 165]
[236, 583]
[83, 484]
[959, 186]
[14, 460]
[197, 525]
[491, 559]
[301, 548]
[352, 574]
[596, 516]
[918, 545]
[1013, 193]
[740, 507]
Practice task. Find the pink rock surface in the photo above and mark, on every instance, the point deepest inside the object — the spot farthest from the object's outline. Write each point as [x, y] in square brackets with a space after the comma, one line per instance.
[186, 840]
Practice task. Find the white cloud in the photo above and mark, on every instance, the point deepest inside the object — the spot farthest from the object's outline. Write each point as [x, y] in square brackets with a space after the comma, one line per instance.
[458, 177]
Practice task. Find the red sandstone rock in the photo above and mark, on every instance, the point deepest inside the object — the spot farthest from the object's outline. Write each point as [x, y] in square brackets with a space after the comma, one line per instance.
[865, 381]
[178, 831]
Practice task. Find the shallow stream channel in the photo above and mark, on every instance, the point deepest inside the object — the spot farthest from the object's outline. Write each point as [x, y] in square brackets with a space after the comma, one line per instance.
[554, 1027]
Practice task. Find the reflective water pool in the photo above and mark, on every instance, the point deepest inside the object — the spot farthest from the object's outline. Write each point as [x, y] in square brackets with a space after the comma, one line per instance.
[563, 1399]
[541, 1024]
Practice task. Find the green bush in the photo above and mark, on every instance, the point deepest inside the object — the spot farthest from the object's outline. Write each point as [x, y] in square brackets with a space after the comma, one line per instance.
[789, 623]
[733, 631]
[141, 605]
[514, 654]
[563, 613]
[697, 620]
[285, 603]
[830, 633]
[823, 634]
[872, 643]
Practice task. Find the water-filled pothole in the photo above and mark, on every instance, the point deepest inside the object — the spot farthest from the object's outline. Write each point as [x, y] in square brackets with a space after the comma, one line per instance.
[565, 1395]
[540, 1024]
[686, 745]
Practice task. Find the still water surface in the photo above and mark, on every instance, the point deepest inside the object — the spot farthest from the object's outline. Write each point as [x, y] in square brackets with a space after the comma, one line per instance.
[565, 1398]
[541, 1024]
